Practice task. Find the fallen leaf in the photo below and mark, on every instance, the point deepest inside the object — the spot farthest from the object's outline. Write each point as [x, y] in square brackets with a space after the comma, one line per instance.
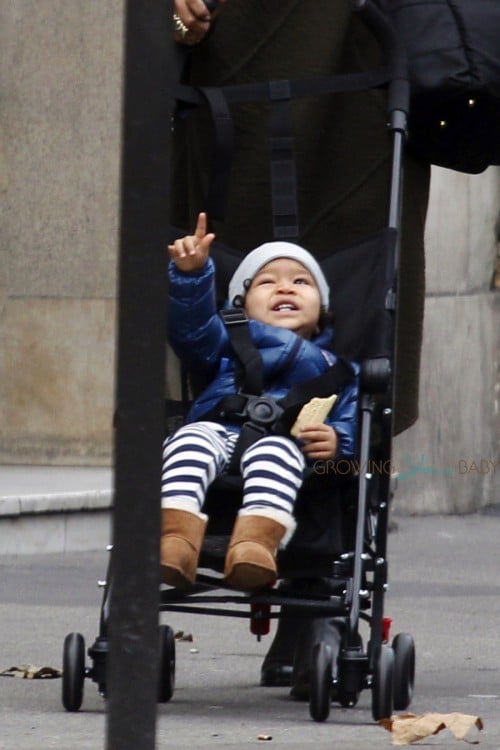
[409, 728]
[30, 672]
[182, 636]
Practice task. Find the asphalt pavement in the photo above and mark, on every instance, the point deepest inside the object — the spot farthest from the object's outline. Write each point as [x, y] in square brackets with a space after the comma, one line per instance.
[444, 590]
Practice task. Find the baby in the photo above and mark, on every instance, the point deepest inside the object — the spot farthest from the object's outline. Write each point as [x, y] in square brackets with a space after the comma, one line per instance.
[285, 295]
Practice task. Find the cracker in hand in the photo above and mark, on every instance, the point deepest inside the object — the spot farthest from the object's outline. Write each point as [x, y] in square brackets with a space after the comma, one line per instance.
[314, 412]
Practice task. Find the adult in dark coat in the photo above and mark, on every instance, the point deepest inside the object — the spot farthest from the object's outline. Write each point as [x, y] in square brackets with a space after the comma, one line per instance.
[343, 149]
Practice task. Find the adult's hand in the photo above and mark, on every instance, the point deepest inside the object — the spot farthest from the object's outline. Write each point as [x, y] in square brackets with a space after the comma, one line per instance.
[192, 20]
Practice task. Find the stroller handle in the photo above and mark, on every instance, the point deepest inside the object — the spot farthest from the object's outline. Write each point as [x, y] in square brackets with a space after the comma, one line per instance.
[394, 52]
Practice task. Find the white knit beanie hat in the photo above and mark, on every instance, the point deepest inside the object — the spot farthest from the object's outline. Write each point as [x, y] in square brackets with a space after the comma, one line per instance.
[264, 254]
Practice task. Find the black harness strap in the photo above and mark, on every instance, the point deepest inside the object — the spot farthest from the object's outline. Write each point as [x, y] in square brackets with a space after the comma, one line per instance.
[256, 92]
[249, 403]
[258, 414]
[279, 94]
[283, 170]
[249, 377]
[223, 151]
[275, 416]
[333, 380]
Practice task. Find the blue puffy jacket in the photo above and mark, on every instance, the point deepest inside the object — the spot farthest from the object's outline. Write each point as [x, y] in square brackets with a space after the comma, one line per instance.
[199, 338]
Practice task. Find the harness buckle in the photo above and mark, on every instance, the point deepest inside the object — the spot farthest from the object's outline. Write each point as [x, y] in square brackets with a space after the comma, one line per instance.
[262, 410]
[233, 316]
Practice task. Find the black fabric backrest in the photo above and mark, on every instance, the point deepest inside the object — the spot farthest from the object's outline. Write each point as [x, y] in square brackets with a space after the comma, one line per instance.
[362, 278]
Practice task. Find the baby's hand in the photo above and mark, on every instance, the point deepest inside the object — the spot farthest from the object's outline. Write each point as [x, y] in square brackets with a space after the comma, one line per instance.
[320, 442]
[190, 253]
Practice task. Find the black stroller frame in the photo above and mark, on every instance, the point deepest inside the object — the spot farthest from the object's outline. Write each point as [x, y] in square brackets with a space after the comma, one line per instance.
[349, 585]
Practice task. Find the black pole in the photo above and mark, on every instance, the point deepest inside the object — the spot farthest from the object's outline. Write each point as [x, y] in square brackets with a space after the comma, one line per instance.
[132, 676]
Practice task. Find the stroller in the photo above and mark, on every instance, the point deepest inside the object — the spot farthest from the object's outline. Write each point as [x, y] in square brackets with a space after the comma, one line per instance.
[335, 566]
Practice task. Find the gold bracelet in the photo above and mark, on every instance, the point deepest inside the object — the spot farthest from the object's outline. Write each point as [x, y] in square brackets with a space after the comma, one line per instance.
[179, 26]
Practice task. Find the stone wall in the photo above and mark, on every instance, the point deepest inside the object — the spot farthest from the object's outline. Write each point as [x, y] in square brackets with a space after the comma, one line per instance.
[450, 460]
[59, 152]
[60, 68]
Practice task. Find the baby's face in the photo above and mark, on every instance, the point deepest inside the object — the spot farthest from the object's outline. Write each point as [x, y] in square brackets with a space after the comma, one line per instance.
[284, 294]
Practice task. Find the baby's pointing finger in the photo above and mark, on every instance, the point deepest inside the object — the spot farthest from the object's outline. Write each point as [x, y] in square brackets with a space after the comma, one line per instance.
[201, 226]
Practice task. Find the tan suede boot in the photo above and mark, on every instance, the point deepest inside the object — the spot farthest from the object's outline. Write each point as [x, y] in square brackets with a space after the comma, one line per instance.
[182, 535]
[251, 555]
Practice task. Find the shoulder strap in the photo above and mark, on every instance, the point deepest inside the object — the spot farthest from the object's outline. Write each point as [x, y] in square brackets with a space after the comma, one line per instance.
[222, 154]
[283, 173]
[249, 375]
[333, 380]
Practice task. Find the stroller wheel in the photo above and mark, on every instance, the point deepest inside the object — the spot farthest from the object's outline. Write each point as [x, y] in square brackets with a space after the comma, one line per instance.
[73, 675]
[382, 686]
[166, 677]
[404, 670]
[321, 682]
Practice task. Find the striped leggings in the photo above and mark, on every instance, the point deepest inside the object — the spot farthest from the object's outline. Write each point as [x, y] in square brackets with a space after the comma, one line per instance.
[272, 469]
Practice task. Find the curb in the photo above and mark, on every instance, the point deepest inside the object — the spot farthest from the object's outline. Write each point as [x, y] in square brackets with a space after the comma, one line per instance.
[55, 522]
[59, 502]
